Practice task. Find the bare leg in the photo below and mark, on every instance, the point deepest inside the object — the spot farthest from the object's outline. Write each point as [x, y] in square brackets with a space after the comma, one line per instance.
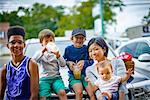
[90, 91]
[121, 95]
[78, 91]
[42, 98]
[62, 95]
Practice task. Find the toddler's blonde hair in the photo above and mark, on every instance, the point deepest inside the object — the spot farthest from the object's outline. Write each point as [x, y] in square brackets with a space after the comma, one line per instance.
[46, 33]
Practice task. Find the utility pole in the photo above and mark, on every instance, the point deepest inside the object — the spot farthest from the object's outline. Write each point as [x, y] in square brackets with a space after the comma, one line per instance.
[102, 18]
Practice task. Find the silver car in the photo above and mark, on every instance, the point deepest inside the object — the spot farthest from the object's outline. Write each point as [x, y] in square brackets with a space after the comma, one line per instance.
[140, 50]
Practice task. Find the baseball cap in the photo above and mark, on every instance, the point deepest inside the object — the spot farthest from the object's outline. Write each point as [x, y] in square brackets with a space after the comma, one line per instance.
[78, 31]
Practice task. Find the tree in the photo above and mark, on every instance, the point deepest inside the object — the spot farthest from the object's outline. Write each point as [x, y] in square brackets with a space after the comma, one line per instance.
[81, 15]
[10, 17]
[109, 5]
[40, 17]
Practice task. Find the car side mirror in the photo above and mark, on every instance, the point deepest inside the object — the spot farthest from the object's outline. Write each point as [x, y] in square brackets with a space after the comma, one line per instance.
[144, 57]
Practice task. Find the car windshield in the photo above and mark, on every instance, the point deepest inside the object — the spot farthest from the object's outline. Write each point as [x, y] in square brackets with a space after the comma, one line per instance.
[136, 49]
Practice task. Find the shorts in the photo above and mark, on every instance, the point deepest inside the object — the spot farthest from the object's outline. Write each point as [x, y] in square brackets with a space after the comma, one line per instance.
[48, 85]
[73, 81]
[122, 88]
[115, 96]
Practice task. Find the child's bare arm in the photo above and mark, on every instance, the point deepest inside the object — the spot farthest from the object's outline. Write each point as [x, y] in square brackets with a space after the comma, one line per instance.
[2, 82]
[34, 80]
[127, 76]
[94, 87]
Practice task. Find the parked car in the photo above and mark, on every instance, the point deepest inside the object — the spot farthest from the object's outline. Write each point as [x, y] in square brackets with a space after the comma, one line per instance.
[136, 47]
[140, 50]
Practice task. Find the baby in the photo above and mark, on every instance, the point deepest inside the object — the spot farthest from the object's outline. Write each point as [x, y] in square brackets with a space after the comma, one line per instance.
[109, 83]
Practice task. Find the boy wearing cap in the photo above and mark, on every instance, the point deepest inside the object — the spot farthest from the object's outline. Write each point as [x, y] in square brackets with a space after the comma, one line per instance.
[77, 54]
[19, 77]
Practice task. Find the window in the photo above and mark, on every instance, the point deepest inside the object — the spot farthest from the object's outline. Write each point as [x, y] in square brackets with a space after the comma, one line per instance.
[142, 48]
[130, 48]
[136, 49]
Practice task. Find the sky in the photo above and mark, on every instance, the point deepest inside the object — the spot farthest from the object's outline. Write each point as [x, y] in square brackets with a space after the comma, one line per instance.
[131, 15]
[7, 5]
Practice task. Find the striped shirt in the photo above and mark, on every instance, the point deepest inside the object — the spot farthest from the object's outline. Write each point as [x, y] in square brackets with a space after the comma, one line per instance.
[119, 69]
[110, 85]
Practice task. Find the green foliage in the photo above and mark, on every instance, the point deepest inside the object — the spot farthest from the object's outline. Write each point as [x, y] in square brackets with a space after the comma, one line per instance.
[40, 16]
[81, 17]
[10, 17]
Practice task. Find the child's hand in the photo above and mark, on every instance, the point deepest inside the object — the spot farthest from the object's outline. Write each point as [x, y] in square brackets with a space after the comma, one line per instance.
[129, 71]
[45, 49]
[80, 64]
[107, 94]
[87, 79]
[129, 64]
[56, 53]
[71, 64]
[127, 76]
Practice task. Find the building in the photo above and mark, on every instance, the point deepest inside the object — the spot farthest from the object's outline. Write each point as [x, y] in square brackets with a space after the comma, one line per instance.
[4, 26]
[138, 31]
